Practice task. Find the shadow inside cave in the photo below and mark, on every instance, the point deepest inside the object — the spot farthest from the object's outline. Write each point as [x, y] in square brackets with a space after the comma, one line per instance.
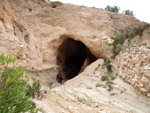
[72, 56]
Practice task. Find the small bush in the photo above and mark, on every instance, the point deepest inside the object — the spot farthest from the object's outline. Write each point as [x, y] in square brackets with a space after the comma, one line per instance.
[108, 65]
[127, 33]
[128, 12]
[30, 9]
[13, 87]
[26, 36]
[34, 89]
[20, 27]
[112, 8]
[104, 78]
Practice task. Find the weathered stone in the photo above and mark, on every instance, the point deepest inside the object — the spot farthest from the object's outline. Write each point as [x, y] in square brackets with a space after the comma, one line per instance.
[37, 32]
[143, 90]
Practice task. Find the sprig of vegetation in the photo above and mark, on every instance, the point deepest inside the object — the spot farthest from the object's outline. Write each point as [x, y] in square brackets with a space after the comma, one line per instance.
[128, 12]
[117, 9]
[112, 8]
[13, 88]
[34, 89]
[127, 33]
[107, 64]
[20, 27]
[30, 9]
[104, 78]
[109, 76]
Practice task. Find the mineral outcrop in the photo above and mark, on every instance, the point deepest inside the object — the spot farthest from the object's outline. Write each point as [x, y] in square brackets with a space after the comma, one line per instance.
[37, 33]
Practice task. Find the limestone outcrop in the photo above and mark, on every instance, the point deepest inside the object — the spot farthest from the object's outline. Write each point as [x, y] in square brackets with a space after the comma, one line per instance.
[87, 93]
[133, 63]
[37, 32]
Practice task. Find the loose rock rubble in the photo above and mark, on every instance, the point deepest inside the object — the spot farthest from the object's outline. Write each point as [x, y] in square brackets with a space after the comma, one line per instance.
[33, 30]
[133, 66]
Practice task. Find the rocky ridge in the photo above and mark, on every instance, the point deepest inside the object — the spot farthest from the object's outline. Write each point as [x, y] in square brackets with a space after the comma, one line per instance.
[33, 30]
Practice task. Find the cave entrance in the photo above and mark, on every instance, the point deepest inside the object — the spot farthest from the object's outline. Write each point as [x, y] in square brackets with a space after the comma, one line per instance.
[72, 57]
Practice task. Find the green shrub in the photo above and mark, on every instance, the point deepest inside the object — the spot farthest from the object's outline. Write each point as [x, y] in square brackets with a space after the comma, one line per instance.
[26, 36]
[104, 78]
[127, 33]
[107, 64]
[30, 9]
[34, 89]
[112, 8]
[20, 27]
[13, 87]
[128, 12]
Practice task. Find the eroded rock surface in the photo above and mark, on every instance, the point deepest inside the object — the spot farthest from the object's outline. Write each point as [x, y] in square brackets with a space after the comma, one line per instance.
[35, 30]
[87, 93]
[133, 64]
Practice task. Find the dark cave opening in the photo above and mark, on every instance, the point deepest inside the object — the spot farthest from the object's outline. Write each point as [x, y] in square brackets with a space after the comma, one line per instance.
[72, 56]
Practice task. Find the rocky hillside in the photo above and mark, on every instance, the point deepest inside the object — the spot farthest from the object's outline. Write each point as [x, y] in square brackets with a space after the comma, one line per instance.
[37, 32]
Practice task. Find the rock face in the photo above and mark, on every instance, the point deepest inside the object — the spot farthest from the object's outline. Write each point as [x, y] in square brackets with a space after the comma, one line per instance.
[133, 64]
[37, 32]
[86, 93]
